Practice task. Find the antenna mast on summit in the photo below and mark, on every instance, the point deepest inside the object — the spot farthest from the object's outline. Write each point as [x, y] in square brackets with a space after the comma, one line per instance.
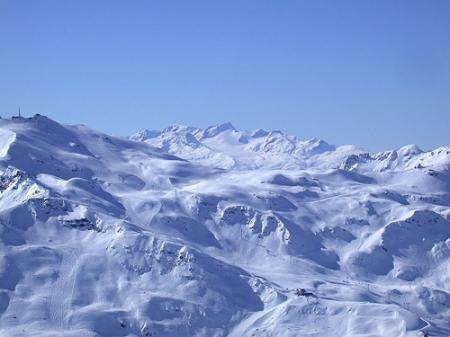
[20, 115]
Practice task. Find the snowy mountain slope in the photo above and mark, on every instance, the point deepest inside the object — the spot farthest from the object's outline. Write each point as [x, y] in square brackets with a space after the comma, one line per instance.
[189, 232]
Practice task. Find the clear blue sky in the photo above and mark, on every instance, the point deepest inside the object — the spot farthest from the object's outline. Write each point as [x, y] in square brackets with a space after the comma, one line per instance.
[374, 73]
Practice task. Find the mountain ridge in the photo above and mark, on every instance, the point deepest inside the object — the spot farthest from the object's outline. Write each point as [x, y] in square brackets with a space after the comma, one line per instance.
[283, 150]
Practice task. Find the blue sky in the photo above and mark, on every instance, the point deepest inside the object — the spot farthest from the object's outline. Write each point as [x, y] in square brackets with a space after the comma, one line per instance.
[372, 73]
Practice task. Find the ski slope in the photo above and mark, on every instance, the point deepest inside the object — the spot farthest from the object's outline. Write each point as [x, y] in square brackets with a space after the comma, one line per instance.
[212, 232]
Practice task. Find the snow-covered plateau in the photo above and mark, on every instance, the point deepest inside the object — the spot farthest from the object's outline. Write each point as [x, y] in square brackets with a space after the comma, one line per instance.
[219, 232]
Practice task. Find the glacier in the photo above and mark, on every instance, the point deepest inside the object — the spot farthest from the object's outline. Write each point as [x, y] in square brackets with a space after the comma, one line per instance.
[219, 232]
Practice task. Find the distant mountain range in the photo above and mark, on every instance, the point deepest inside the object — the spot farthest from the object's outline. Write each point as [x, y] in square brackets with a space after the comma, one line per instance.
[225, 147]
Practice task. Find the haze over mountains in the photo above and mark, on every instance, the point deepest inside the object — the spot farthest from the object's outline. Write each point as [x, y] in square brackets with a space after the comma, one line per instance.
[213, 232]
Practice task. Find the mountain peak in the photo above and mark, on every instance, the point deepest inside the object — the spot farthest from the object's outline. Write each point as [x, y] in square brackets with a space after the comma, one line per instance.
[259, 133]
[316, 146]
[145, 134]
[409, 150]
[180, 128]
[214, 130]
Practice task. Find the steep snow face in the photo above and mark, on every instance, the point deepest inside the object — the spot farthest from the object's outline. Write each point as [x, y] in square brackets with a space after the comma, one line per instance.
[190, 232]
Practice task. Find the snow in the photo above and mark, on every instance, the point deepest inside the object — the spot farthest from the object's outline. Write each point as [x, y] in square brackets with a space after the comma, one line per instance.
[6, 139]
[191, 232]
[223, 146]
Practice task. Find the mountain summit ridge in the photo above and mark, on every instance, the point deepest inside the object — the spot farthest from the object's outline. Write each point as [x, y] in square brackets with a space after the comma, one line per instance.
[227, 148]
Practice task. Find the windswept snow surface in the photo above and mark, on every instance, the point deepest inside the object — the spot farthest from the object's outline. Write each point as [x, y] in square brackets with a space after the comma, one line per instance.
[191, 232]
